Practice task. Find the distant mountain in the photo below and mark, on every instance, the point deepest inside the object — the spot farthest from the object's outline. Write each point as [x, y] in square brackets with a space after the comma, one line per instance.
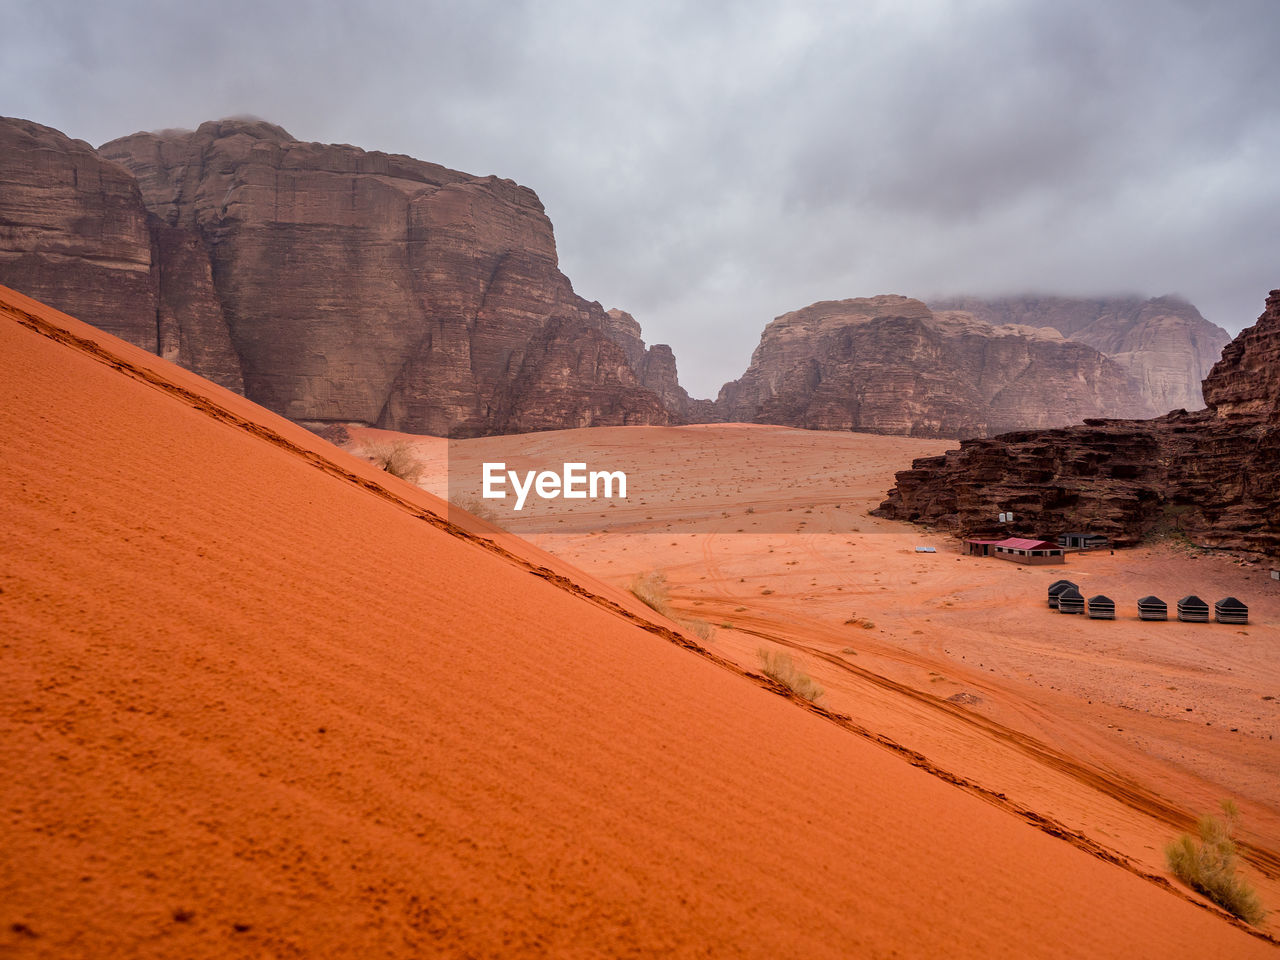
[889, 364]
[1212, 475]
[327, 283]
[335, 285]
[1163, 342]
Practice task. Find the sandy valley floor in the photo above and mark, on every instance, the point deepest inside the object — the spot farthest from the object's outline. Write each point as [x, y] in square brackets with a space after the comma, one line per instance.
[1121, 731]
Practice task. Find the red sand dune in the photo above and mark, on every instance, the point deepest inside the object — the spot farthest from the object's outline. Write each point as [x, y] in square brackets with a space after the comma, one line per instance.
[1122, 732]
[260, 700]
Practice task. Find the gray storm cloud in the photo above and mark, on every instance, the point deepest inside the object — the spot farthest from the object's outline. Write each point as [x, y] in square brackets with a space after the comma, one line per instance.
[709, 166]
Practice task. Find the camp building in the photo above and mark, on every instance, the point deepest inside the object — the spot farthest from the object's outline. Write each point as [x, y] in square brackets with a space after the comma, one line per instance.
[1017, 549]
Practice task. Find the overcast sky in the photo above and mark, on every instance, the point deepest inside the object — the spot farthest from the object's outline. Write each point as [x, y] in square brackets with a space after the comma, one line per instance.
[708, 166]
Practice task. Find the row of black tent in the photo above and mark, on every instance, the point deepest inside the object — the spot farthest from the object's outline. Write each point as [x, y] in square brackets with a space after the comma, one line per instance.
[1065, 597]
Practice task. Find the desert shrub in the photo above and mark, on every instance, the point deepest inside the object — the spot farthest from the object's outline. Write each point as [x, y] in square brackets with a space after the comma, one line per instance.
[397, 458]
[778, 665]
[480, 509]
[651, 589]
[1208, 865]
[699, 628]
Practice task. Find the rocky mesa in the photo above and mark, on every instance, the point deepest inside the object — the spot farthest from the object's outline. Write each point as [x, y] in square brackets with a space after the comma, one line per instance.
[1212, 475]
[325, 282]
[1163, 342]
[889, 364]
[336, 285]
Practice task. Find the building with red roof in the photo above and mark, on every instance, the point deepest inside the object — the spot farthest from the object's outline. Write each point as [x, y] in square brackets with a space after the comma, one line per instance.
[1017, 549]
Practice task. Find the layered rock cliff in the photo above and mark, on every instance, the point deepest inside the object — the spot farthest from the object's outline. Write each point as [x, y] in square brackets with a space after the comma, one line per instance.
[889, 364]
[1212, 475]
[656, 368]
[337, 285]
[75, 233]
[1164, 343]
[73, 230]
[380, 289]
[327, 283]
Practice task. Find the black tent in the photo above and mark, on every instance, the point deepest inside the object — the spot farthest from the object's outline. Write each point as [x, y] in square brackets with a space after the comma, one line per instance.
[1056, 588]
[1152, 608]
[1191, 609]
[1230, 610]
[1070, 601]
[1102, 608]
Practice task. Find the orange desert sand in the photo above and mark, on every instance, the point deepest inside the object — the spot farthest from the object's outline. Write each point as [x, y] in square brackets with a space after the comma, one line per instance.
[261, 699]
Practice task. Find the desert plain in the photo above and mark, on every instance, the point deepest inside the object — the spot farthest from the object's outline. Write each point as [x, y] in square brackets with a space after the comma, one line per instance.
[261, 698]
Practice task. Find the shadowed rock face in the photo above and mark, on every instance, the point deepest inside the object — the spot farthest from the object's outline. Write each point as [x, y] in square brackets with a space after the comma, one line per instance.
[336, 285]
[656, 367]
[325, 282]
[73, 230]
[74, 233]
[1213, 475]
[380, 289]
[1163, 343]
[891, 365]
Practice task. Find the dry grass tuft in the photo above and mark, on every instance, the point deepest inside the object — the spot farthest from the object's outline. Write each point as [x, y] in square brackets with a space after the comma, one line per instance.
[395, 457]
[1208, 865]
[651, 589]
[480, 509]
[699, 628]
[777, 665]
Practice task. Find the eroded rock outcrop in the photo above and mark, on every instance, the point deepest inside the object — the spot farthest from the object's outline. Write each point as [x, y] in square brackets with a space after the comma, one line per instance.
[375, 288]
[325, 282]
[656, 368]
[1163, 342]
[889, 364]
[1213, 475]
[73, 231]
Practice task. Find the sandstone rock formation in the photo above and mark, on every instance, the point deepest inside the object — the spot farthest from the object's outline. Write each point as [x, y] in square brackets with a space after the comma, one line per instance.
[380, 289]
[73, 230]
[889, 364]
[1212, 475]
[336, 285]
[1164, 343]
[325, 282]
[74, 233]
[656, 367]
[1245, 383]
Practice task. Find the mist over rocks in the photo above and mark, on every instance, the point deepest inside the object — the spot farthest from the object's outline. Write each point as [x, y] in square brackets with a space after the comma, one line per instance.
[1163, 342]
[1212, 475]
[889, 364]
